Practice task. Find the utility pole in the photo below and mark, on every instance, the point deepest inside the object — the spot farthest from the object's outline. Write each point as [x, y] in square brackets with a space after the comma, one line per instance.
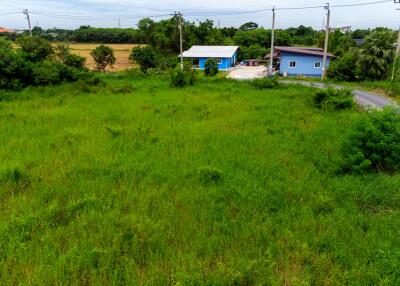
[26, 12]
[271, 62]
[119, 23]
[396, 56]
[180, 37]
[326, 41]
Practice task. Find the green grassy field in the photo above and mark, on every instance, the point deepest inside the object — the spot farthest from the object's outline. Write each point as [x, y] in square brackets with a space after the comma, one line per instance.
[138, 183]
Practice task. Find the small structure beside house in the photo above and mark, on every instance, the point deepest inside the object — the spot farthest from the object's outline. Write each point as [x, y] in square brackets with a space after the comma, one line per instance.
[300, 61]
[226, 56]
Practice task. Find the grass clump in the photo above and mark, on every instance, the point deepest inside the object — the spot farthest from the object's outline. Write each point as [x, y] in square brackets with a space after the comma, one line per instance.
[14, 181]
[374, 144]
[265, 83]
[183, 78]
[209, 175]
[334, 99]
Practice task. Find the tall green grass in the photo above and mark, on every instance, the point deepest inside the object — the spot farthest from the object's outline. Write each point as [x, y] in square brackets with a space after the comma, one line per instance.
[138, 183]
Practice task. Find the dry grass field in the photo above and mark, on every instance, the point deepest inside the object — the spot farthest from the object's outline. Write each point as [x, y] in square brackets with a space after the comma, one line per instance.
[121, 51]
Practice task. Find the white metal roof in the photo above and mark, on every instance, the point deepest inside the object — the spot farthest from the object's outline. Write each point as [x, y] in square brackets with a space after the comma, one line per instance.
[210, 52]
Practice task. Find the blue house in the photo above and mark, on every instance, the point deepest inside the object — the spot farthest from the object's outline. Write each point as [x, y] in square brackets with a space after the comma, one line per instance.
[299, 61]
[226, 56]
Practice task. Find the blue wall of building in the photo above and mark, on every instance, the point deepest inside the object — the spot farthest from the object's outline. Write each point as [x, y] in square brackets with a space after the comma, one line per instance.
[225, 64]
[304, 64]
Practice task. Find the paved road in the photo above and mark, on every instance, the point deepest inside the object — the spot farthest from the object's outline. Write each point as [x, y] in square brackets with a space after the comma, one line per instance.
[364, 98]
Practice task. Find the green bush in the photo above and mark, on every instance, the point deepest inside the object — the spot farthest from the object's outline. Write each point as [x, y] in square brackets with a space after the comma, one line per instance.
[374, 144]
[35, 49]
[74, 61]
[334, 99]
[48, 72]
[184, 78]
[103, 57]
[15, 71]
[211, 67]
[18, 71]
[147, 57]
[344, 68]
[265, 83]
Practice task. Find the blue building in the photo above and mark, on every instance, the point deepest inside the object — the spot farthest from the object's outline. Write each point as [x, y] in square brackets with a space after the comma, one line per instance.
[226, 56]
[299, 61]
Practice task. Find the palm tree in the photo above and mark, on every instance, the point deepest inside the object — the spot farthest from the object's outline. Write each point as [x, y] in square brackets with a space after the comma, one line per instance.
[377, 54]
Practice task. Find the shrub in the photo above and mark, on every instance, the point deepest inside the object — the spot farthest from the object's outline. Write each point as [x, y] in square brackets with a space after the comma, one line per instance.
[103, 57]
[265, 83]
[334, 99]
[35, 49]
[211, 67]
[48, 72]
[74, 61]
[181, 78]
[374, 144]
[5, 44]
[147, 57]
[15, 71]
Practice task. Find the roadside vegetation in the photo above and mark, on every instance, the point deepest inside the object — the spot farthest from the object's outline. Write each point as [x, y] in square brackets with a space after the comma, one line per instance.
[134, 181]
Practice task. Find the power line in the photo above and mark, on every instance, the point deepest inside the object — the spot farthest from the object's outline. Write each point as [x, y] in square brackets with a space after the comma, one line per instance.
[9, 13]
[93, 17]
[285, 8]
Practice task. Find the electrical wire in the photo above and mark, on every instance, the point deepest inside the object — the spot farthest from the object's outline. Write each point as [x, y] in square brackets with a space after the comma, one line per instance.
[285, 8]
[88, 17]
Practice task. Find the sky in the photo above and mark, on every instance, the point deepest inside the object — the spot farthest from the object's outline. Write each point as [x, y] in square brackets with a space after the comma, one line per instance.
[105, 13]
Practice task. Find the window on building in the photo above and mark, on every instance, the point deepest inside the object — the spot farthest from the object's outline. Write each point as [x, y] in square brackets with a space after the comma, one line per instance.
[292, 64]
[317, 65]
[219, 61]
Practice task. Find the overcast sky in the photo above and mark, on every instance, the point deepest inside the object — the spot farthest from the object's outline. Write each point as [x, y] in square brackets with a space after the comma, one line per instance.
[70, 13]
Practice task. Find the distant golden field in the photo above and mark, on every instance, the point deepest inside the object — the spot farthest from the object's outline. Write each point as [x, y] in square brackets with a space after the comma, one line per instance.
[121, 52]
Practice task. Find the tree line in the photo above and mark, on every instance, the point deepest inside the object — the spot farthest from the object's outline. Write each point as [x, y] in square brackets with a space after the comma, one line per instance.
[362, 54]
[163, 35]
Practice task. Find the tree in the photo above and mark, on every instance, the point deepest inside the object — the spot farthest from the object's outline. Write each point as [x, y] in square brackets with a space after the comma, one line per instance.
[64, 55]
[339, 43]
[377, 55]
[147, 57]
[360, 34]
[253, 52]
[249, 26]
[103, 56]
[35, 49]
[345, 67]
[211, 67]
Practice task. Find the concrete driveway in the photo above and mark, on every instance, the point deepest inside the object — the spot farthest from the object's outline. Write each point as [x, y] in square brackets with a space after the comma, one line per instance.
[246, 73]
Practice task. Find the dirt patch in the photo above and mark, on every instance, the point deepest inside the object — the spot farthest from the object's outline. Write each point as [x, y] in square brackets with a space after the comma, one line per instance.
[121, 52]
[247, 73]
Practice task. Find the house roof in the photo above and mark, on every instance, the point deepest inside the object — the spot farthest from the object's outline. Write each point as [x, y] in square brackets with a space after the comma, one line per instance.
[5, 30]
[304, 51]
[210, 52]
